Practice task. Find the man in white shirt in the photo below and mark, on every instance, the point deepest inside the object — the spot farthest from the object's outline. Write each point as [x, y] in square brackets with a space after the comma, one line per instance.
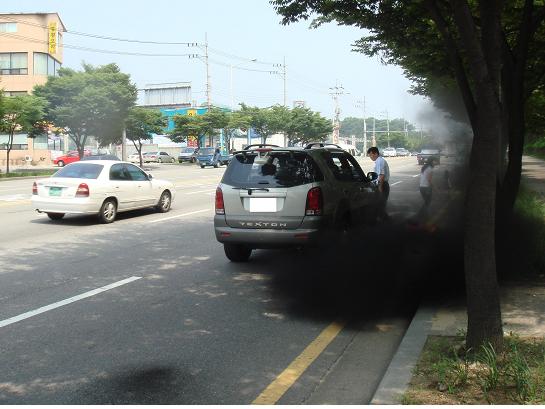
[383, 172]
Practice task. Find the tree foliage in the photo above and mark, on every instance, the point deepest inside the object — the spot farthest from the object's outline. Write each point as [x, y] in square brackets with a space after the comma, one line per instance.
[187, 127]
[141, 124]
[304, 126]
[493, 51]
[21, 114]
[93, 102]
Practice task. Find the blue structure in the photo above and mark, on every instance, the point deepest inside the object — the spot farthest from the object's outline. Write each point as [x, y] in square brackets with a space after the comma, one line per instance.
[169, 113]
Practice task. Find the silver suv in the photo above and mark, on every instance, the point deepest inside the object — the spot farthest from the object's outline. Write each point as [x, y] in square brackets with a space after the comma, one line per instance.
[290, 197]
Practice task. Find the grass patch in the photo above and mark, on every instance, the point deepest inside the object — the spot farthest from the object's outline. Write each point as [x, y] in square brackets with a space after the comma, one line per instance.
[44, 172]
[448, 374]
[520, 250]
[530, 221]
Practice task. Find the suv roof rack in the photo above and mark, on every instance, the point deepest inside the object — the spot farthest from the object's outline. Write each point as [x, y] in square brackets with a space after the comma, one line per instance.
[260, 145]
[321, 145]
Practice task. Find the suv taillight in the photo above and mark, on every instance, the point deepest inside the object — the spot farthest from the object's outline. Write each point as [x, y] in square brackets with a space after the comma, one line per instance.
[34, 188]
[83, 190]
[314, 202]
[220, 209]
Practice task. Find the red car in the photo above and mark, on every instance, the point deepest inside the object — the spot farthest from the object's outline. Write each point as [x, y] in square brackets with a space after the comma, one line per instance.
[69, 157]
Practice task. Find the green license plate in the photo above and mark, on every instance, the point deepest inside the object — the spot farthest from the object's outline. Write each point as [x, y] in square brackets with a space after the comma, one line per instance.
[55, 191]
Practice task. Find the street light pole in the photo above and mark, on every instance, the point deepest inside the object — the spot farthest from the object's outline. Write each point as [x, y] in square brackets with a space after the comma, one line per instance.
[361, 104]
[388, 127]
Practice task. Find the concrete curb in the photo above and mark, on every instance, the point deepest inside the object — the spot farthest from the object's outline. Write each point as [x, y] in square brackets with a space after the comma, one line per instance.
[400, 371]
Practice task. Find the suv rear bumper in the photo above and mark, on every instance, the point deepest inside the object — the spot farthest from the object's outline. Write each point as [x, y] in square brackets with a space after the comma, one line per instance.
[310, 232]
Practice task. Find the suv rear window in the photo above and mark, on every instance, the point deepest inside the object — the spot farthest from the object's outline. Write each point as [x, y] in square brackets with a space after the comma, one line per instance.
[275, 169]
[80, 171]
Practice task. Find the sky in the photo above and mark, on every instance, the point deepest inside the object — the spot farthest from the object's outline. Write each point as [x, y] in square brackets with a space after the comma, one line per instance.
[237, 32]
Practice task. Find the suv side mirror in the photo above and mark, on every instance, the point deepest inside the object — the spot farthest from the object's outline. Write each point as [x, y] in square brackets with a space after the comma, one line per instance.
[372, 176]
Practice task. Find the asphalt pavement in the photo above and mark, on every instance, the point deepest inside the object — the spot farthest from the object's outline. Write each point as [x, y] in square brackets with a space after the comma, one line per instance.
[188, 327]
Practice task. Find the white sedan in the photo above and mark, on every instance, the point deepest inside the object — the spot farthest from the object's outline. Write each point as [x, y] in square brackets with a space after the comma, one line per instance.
[101, 187]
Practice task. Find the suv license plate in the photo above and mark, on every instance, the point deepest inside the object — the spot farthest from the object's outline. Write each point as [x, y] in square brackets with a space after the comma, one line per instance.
[55, 191]
[262, 204]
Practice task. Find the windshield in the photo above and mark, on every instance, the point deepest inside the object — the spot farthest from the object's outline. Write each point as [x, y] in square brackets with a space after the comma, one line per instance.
[80, 171]
[188, 150]
[207, 151]
[276, 169]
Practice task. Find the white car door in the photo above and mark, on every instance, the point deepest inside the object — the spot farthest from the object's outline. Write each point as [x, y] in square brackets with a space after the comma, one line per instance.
[122, 186]
[144, 195]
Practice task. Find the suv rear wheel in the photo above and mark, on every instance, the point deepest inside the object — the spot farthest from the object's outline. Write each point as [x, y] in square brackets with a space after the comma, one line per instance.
[237, 252]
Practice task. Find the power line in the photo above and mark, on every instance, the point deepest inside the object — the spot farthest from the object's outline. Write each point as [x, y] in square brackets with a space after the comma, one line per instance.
[96, 50]
[189, 44]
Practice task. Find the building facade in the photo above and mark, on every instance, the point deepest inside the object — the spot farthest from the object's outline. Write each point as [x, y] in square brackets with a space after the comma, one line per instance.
[31, 49]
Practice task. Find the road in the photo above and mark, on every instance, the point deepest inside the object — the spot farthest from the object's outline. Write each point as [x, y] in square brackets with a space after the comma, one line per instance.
[148, 310]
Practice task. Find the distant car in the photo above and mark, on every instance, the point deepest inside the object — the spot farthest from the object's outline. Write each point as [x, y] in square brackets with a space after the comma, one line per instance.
[100, 187]
[69, 157]
[402, 152]
[272, 196]
[134, 158]
[105, 156]
[388, 152]
[429, 154]
[206, 157]
[158, 156]
[188, 155]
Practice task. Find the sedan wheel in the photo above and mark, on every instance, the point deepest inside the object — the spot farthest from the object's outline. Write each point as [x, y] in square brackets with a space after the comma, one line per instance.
[159, 160]
[164, 202]
[108, 211]
[237, 252]
[60, 163]
[55, 216]
[172, 160]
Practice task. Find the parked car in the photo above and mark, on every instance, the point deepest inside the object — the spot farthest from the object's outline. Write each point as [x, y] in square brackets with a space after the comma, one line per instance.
[290, 197]
[105, 156]
[134, 158]
[69, 157]
[206, 157]
[429, 154]
[157, 156]
[402, 152]
[100, 187]
[386, 152]
[188, 155]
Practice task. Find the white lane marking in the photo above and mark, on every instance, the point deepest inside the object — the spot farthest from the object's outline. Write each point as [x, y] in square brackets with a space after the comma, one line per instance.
[199, 191]
[415, 176]
[11, 198]
[180, 215]
[70, 300]
[396, 183]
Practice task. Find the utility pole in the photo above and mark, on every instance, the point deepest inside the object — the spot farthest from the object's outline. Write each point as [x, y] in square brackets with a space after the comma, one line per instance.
[336, 91]
[388, 127]
[124, 144]
[374, 141]
[361, 104]
[208, 96]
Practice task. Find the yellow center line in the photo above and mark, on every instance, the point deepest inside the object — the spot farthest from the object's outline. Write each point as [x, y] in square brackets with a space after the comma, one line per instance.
[289, 376]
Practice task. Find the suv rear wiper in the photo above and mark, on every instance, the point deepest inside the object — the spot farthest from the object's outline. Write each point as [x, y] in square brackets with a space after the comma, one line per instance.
[252, 189]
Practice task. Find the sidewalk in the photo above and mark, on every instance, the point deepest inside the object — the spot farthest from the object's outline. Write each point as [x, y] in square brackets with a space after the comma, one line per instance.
[522, 305]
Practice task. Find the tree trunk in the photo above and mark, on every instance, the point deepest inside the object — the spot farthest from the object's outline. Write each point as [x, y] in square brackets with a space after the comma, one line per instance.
[8, 149]
[484, 60]
[483, 304]
[7, 158]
